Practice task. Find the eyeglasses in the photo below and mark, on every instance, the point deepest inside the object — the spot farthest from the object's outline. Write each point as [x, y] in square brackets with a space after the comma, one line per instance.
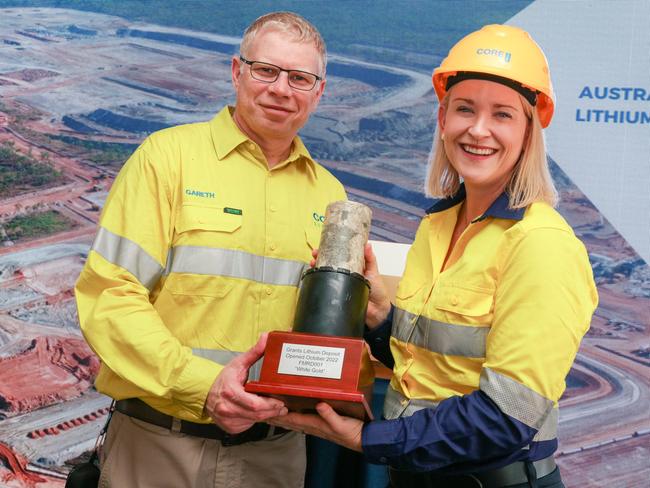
[268, 73]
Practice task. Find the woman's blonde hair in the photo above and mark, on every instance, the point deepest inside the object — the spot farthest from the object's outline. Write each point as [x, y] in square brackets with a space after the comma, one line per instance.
[531, 179]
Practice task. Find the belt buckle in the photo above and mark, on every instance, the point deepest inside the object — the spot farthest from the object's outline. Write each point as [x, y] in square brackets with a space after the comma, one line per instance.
[229, 440]
[256, 433]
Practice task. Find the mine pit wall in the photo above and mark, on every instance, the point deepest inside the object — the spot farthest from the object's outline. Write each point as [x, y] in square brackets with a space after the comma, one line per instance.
[69, 363]
[54, 276]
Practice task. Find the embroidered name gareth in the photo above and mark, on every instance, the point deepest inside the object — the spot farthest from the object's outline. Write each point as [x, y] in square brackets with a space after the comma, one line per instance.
[197, 193]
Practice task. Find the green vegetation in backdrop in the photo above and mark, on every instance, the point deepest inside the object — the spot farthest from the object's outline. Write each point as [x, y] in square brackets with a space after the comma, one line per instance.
[100, 152]
[19, 172]
[37, 224]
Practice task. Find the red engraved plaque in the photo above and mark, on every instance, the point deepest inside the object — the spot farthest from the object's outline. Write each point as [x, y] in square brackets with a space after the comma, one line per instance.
[304, 369]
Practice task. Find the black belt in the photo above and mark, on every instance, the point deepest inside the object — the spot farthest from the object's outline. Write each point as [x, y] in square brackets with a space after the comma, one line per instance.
[136, 408]
[512, 474]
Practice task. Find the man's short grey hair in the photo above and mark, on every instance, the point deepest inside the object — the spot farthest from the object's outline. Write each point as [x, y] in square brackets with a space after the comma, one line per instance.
[291, 23]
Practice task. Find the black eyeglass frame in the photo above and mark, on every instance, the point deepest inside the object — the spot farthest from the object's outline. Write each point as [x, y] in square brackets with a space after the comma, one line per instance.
[288, 71]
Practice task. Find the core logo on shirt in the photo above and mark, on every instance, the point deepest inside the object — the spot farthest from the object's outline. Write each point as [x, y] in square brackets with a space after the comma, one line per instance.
[198, 193]
[318, 219]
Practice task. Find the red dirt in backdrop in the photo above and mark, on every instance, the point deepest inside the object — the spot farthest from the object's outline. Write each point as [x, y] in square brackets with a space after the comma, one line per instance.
[65, 368]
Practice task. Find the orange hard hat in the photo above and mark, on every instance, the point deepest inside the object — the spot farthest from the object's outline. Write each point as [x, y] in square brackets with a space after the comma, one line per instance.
[505, 54]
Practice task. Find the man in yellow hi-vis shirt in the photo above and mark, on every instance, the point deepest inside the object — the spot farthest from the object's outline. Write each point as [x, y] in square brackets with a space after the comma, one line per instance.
[199, 251]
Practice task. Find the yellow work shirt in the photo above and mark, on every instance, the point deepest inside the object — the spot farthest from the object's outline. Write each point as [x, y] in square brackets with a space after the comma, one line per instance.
[481, 347]
[200, 248]
[505, 316]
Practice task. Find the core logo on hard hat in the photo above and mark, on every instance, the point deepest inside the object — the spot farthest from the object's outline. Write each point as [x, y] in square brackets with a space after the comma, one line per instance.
[505, 55]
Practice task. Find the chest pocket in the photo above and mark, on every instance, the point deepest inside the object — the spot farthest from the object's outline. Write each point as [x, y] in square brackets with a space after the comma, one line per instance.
[202, 257]
[408, 288]
[199, 218]
[466, 302]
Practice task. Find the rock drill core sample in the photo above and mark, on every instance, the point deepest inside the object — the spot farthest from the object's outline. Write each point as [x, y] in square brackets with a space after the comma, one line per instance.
[344, 235]
[334, 294]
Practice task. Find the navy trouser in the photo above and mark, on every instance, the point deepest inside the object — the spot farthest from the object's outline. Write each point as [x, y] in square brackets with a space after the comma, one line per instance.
[403, 479]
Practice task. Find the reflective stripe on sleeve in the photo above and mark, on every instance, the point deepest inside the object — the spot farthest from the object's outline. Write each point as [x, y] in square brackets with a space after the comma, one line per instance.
[516, 400]
[232, 263]
[127, 254]
[217, 355]
[397, 405]
[548, 430]
[439, 337]
[235, 264]
[223, 357]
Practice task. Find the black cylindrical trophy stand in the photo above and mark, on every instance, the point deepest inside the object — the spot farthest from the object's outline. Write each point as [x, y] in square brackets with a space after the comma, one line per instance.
[332, 302]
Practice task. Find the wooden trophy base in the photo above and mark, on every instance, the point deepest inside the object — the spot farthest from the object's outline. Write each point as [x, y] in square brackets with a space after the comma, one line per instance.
[304, 369]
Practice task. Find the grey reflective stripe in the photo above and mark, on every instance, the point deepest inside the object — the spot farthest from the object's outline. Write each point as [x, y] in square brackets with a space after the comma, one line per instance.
[397, 405]
[448, 339]
[516, 400]
[127, 254]
[255, 370]
[235, 264]
[403, 324]
[168, 263]
[497, 387]
[217, 355]
[223, 357]
[548, 430]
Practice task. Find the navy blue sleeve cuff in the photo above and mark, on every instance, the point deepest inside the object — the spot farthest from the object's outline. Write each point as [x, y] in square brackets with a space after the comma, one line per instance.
[379, 340]
[382, 441]
[462, 433]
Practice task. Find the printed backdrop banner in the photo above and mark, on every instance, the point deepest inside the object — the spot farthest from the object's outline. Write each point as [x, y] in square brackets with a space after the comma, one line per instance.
[600, 136]
[82, 84]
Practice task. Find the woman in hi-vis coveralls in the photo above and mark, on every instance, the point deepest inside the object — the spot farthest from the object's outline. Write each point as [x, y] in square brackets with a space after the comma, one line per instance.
[496, 295]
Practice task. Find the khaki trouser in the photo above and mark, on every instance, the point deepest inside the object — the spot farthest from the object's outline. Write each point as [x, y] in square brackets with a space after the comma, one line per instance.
[141, 455]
